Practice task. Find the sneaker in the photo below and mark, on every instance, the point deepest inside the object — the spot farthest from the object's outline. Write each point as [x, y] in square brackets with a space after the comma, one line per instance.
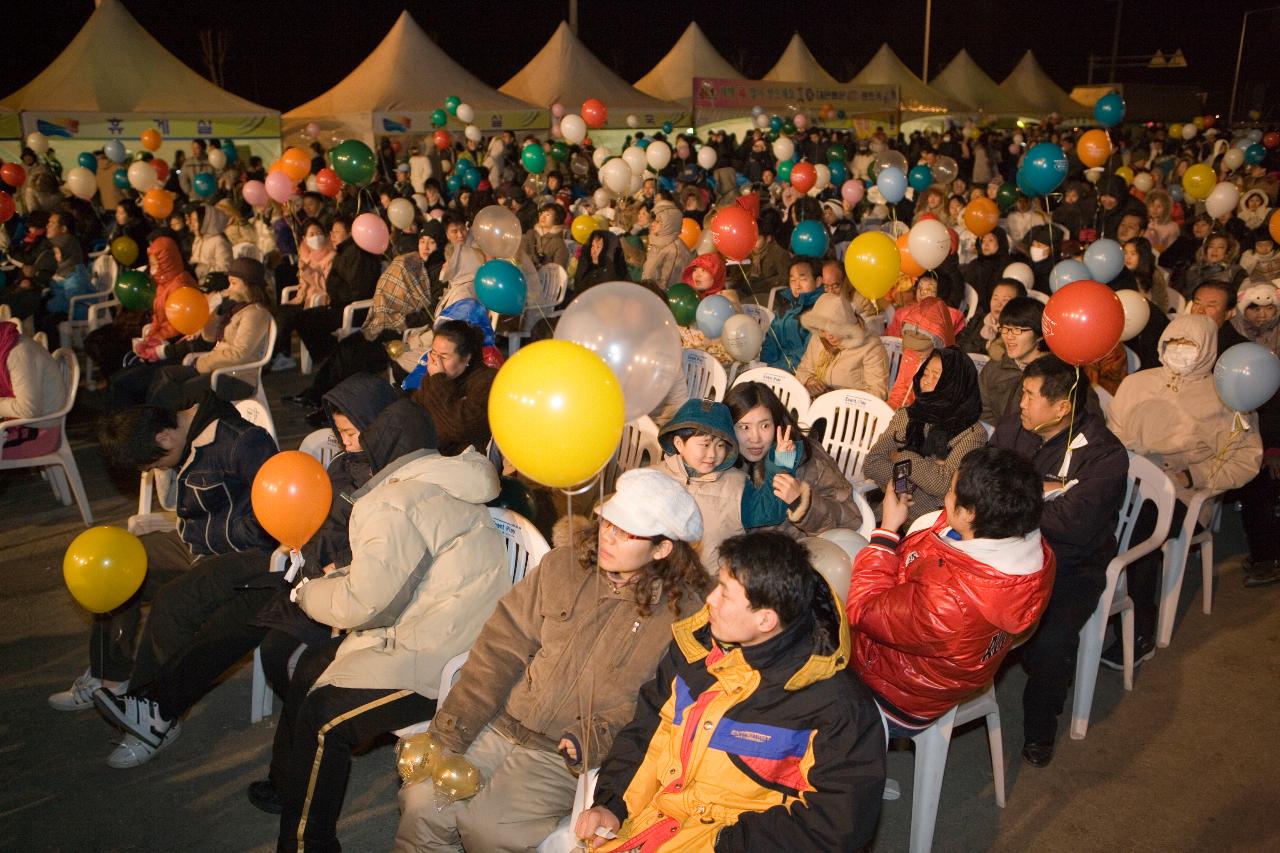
[264, 796]
[80, 696]
[133, 752]
[1143, 650]
[282, 362]
[1262, 574]
[139, 717]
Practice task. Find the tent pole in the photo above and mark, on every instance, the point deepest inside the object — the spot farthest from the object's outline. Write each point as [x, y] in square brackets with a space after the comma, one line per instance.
[928, 20]
[573, 16]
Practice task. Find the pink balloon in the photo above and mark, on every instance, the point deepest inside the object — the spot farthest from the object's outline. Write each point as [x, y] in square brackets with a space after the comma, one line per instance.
[801, 121]
[556, 132]
[280, 187]
[852, 190]
[256, 193]
[557, 110]
[370, 233]
[313, 129]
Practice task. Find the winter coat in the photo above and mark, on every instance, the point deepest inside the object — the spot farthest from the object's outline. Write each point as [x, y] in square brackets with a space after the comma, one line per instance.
[210, 249]
[824, 502]
[719, 497]
[240, 341]
[759, 748]
[427, 567]
[860, 364]
[933, 616]
[932, 316]
[36, 379]
[62, 289]
[1000, 384]
[767, 268]
[546, 245]
[611, 267]
[459, 407]
[558, 638]
[667, 255]
[353, 275]
[931, 476]
[169, 274]
[786, 339]
[1179, 422]
[313, 271]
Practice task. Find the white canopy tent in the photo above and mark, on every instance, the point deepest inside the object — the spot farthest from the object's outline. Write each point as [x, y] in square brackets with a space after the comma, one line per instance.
[964, 81]
[397, 87]
[113, 81]
[1028, 81]
[916, 99]
[692, 56]
[565, 72]
[798, 65]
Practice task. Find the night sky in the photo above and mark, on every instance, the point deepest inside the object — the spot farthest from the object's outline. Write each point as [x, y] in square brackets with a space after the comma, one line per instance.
[281, 54]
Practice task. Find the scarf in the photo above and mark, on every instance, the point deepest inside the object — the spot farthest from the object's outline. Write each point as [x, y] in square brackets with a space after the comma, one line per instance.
[9, 337]
[72, 254]
[950, 408]
[226, 310]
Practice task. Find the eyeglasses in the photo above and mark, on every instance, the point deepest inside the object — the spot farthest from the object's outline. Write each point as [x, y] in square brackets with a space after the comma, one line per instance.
[435, 355]
[616, 533]
[1013, 330]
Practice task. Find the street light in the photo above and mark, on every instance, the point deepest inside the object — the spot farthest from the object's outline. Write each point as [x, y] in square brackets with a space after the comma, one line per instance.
[1235, 81]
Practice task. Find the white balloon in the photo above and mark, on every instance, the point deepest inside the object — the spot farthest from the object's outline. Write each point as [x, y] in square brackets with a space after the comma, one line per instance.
[633, 120]
[1233, 159]
[824, 176]
[573, 128]
[142, 176]
[1016, 270]
[762, 121]
[1094, 174]
[634, 156]
[81, 182]
[1224, 198]
[637, 182]
[1188, 131]
[658, 155]
[602, 198]
[742, 338]
[615, 176]
[832, 562]
[929, 243]
[473, 133]
[600, 155]
[707, 157]
[400, 212]
[1137, 311]
[217, 159]
[38, 142]
[1143, 182]
[783, 148]
[706, 244]
[465, 113]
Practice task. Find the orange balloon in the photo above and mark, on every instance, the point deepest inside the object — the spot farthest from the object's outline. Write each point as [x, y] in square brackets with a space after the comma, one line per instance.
[690, 233]
[1274, 227]
[1094, 147]
[981, 216]
[909, 265]
[151, 139]
[157, 203]
[291, 496]
[296, 163]
[276, 166]
[187, 309]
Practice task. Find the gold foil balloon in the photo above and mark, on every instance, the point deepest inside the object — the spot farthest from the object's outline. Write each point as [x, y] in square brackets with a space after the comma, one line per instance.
[416, 757]
[455, 778]
[395, 349]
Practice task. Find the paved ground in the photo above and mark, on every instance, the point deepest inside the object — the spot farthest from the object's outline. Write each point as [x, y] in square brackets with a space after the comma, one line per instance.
[1187, 761]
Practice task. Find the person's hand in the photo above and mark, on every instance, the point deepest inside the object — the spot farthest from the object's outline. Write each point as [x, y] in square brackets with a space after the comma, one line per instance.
[569, 750]
[329, 569]
[1051, 486]
[1272, 466]
[783, 441]
[815, 387]
[895, 509]
[895, 455]
[787, 488]
[597, 816]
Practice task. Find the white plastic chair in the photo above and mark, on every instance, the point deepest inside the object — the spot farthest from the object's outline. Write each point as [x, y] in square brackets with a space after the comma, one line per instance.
[1146, 483]
[893, 349]
[562, 839]
[322, 444]
[63, 475]
[525, 545]
[1104, 399]
[448, 676]
[1177, 551]
[544, 295]
[249, 373]
[979, 360]
[789, 390]
[349, 325]
[1038, 296]
[773, 297]
[639, 448]
[855, 419]
[970, 304]
[1177, 302]
[762, 316]
[305, 364]
[868, 525]
[704, 375]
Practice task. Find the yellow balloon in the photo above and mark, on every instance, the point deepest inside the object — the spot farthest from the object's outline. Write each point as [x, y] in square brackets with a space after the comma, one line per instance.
[556, 412]
[455, 778]
[1126, 174]
[1198, 121]
[104, 567]
[872, 263]
[582, 227]
[1175, 131]
[416, 757]
[1199, 181]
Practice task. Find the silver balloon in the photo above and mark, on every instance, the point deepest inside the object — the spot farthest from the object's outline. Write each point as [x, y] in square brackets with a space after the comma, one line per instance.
[636, 335]
[742, 337]
[497, 231]
[889, 157]
[945, 171]
[832, 562]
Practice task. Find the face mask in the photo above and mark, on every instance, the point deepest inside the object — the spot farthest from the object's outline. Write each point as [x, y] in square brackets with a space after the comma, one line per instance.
[1038, 254]
[1180, 357]
[316, 242]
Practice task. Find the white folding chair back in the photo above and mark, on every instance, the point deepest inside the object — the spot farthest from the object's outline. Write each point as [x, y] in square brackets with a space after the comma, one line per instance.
[762, 316]
[773, 297]
[64, 476]
[789, 390]
[321, 444]
[639, 448]
[970, 304]
[1104, 399]
[1177, 302]
[893, 349]
[553, 281]
[257, 414]
[250, 373]
[1131, 360]
[1038, 296]
[525, 545]
[855, 419]
[562, 839]
[349, 324]
[448, 677]
[704, 375]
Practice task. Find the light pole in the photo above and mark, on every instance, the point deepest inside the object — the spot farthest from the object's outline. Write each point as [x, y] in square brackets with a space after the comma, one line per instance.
[1235, 81]
[1115, 41]
[928, 19]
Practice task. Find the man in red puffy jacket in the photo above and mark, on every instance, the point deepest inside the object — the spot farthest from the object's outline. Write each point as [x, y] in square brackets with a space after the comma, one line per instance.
[935, 613]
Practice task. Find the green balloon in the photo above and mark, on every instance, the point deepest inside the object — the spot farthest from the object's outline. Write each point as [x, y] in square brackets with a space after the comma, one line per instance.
[353, 161]
[784, 170]
[515, 496]
[135, 290]
[683, 300]
[439, 118]
[1006, 195]
[837, 152]
[559, 152]
[533, 158]
[451, 104]
[789, 128]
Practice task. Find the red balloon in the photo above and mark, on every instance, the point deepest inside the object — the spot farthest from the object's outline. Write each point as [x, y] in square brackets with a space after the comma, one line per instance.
[6, 206]
[328, 183]
[443, 139]
[162, 169]
[396, 145]
[13, 174]
[1210, 121]
[1270, 139]
[955, 239]
[1083, 322]
[594, 113]
[803, 176]
[734, 232]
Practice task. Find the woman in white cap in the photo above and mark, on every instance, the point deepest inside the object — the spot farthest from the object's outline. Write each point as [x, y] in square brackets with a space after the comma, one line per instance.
[557, 669]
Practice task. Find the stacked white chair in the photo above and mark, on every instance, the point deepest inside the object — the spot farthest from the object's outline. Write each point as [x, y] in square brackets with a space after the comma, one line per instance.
[704, 375]
[639, 448]
[789, 390]
[893, 349]
[854, 420]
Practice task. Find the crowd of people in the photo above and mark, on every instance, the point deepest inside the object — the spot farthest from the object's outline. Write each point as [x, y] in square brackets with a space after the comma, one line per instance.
[680, 640]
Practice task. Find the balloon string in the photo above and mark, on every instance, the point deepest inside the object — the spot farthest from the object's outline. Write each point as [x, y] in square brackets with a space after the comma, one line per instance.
[1071, 422]
[756, 299]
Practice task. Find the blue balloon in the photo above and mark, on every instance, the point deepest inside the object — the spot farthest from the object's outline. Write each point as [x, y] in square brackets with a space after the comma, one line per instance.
[1255, 154]
[1045, 168]
[1109, 110]
[666, 127]
[1177, 193]
[643, 142]
[114, 149]
[501, 287]
[839, 172]
[775, 123]
[809, 239]
[712, 314]
[1104, 259]
[920, 177]
[892, 184]
[120, 177]
[1066, 271]
[204, 184]
[1247, 375]
[88, 161]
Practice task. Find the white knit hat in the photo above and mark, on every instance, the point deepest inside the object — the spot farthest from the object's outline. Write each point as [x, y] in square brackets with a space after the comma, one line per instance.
[1258, 295]
[649, 503]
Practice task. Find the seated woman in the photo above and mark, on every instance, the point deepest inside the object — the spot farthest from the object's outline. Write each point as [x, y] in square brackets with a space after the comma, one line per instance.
[841, 353]
[69, 279]
[238, 330]
[315, 259]
[1000, 383]
[30, 387]
[982, 334]
[926, 287]
[455, 391]
[929, 329]
[706, 275]
[934, 432]
[817, 495]
[602, 260]
[1216, 260]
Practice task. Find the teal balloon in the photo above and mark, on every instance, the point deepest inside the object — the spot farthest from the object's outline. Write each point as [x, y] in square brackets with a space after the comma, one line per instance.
[501, 287]
[1246, 376]
[1255, 154]
[1023, 187]
[451, 104]
[837, 152]
[711, 315]
[353, 161]
[533, 158]
[120, 177]
[204, 184]
[1109, 110]
[515, 496]
[88, 161]
[683, 301]
[1044, 168]
[666, 127]
[454, 183]
[114, 149]
[839, 172]
[135, 290]
[809, 239]
[784, 170]
[643, 142]
[775, 124]
[920, 178]
[470, 178]
[439, 118]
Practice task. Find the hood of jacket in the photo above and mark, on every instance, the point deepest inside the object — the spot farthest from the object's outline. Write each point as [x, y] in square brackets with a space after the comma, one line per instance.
[1199, 330]
[470, 477]
[215, 221]
[402, 429]
[166, 259]
[705, 416]
[72, 254]
[361, 398]
[834, 314]
[713, 264]
[931, 317]
[667, 220]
